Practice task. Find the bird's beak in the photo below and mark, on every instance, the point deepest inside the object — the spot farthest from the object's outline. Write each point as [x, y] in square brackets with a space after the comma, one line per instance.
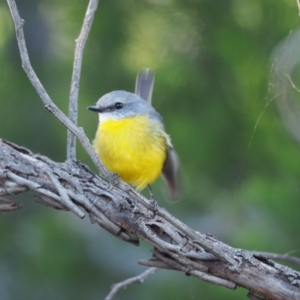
[96, 108]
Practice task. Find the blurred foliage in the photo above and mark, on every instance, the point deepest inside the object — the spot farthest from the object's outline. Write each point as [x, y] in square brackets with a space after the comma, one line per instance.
[239, 167]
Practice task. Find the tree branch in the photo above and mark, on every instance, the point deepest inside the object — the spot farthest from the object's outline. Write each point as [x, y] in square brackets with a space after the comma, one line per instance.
[8, 204]
[283, 257]
[18, 22]
[73, 103]
[177, 246]
[124, 284]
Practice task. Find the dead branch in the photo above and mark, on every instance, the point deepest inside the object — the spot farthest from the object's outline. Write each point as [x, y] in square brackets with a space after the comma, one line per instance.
[48, 103]
[283, 257]
[73, 103]
[124, 284]
[177, 246]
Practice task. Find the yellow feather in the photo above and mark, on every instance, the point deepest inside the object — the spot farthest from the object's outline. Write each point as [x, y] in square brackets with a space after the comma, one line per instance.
[135, 148]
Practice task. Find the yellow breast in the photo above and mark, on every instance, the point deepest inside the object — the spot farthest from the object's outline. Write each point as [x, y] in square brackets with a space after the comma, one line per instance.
[134, 148]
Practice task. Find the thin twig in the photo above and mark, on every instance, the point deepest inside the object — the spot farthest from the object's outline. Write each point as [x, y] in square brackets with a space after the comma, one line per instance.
[202, 275]
[123, 284]
[48, 201]
[73, 103]
[172, 250]
[49, 104]
[65, 199]
[33, 186]
[283, 257]
[298, 3]
[11, 188]
[153, 262]
[8, 204]
[288, 76]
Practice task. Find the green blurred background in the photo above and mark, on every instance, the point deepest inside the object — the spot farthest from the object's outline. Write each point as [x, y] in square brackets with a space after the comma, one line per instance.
[212, 64]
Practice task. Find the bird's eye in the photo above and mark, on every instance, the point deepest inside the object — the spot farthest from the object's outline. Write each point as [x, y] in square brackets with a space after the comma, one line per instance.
[118, 105]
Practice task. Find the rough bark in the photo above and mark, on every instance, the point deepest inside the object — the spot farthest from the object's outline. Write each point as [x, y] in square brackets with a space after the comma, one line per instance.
[129, 216]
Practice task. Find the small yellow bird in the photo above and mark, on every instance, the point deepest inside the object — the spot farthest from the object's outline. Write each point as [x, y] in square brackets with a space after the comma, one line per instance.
[131, 140]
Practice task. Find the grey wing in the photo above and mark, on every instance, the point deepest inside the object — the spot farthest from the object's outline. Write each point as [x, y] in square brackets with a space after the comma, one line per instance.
[169, 172]
[144, 84]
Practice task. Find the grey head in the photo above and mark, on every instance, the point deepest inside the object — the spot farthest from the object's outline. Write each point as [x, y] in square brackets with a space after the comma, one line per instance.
[121, 104]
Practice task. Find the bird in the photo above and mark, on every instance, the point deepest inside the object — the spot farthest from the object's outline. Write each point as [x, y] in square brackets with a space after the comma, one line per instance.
[131, 140]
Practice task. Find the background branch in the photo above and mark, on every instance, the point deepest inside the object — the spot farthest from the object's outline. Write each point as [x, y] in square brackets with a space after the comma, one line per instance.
[49, 104]
[73, 103]
[124, 284]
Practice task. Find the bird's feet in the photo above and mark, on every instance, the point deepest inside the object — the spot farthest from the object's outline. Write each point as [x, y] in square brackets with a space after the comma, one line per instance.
[114, 180]
[153, 202]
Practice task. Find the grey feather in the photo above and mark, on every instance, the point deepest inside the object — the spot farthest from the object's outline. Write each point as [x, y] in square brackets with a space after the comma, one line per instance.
[143, 88]
[144, 84]
[169, 172]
